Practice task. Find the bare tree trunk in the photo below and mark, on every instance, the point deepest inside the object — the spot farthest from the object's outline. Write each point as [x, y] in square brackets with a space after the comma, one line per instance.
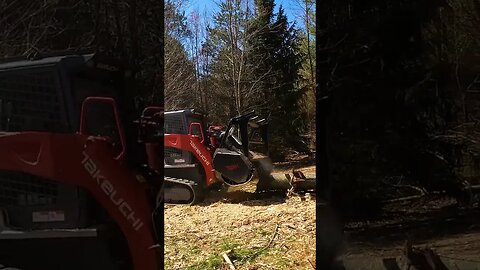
[306, 7]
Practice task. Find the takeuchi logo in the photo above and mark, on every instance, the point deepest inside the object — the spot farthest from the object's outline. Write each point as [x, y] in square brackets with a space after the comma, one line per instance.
[109, 189]
[199, 153]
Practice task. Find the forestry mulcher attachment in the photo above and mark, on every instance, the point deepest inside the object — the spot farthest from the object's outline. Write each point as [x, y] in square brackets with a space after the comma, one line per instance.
[198, 158]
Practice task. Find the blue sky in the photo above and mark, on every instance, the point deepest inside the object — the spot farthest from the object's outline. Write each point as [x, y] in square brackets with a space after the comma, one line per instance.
[210, 7]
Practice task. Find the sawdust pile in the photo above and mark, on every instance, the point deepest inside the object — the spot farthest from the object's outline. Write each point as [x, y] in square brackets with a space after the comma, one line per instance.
[274, 233]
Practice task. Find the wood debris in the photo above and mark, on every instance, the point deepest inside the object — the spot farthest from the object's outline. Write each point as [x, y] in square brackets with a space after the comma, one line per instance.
[227, 260]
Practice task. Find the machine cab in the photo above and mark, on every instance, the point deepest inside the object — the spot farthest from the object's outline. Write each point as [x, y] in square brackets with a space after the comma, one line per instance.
[184, 122]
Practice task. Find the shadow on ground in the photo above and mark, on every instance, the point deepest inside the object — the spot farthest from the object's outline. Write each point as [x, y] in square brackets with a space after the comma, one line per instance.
[400, 225]
[246, 198]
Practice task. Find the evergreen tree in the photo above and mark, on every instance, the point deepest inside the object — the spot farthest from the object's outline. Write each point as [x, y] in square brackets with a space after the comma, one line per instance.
[287, 60]
[277, 61]
[261, 57]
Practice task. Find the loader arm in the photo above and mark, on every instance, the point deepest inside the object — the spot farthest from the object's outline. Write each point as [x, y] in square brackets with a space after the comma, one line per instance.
[89, 162]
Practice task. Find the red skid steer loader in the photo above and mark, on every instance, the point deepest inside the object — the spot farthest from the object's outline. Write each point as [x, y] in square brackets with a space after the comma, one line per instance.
[78, 188]
[198, 158]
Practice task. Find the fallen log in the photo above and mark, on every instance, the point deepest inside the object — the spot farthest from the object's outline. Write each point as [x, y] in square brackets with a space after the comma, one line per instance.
[281, 181]
[268, 180]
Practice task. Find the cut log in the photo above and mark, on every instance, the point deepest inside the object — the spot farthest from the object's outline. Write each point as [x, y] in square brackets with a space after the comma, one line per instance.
[280, 181]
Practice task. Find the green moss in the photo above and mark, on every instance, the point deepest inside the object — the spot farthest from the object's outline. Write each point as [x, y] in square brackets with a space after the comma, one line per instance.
[227, 244]
[238, 255]
[247, 255]
[211, 263]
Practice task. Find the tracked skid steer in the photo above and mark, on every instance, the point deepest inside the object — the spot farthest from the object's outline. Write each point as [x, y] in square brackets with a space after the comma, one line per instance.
[199, 158]
[78, 184]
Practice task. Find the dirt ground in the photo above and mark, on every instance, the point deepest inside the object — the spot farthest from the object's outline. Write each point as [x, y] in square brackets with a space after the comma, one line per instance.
[435, 222]
[270, 231]
[278, 232]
